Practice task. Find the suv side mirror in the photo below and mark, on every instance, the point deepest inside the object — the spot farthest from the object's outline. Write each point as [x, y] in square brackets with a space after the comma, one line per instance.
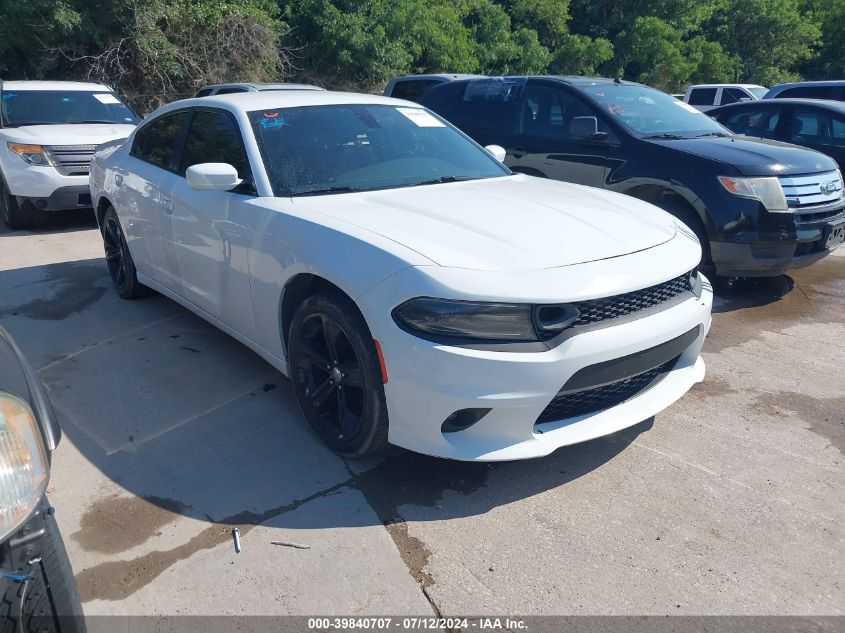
[587, 128]
[212, 177]
[497, 151]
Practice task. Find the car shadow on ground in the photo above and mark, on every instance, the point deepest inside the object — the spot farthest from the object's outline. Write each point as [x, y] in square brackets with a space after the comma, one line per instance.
[750, 292]
[193, 423]
[57, 222]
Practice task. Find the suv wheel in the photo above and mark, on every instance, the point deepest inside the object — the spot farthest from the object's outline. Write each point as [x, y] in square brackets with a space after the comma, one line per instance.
[15, 215]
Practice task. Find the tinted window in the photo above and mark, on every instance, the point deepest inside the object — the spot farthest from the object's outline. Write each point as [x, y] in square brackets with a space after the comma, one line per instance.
[228, 91]
[837, 130]
[31, 107]
[548, 111]
[484, 107]
[808, 92]
[753, 121]
[203, 93]
[703, 96]
[214, 137]
[807, 124]
[156, 142]
[818, 127]
[732, 95]
[360, 147]
[412, 89]
[650, 112]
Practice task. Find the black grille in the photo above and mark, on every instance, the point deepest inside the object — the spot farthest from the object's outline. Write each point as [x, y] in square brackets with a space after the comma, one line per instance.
[569, 405]
[596, 310]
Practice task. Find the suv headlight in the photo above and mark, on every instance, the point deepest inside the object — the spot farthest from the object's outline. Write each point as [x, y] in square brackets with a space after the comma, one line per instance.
[766, 190]
[32, 154]
[24, 468]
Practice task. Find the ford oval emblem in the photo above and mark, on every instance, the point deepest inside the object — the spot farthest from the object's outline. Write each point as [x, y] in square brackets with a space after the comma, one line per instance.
[828, 187]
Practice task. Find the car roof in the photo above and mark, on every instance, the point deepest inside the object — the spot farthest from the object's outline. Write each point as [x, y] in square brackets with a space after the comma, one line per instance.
[250, 101]
[828, 104]
[82, 86]
[725, 86]
[264, 86]
[454, 76]
[574, 80]
[832, 82]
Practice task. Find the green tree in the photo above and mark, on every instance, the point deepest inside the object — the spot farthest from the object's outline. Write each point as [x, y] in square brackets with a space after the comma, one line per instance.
[828, 61]
[653, 53]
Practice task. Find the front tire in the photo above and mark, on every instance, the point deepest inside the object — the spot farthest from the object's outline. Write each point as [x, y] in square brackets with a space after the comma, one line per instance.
[336, 375]
[16, 216]
[119, 259]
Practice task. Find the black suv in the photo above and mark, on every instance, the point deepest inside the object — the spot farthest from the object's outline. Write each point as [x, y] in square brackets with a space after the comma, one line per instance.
[36, 580]
[759, 207]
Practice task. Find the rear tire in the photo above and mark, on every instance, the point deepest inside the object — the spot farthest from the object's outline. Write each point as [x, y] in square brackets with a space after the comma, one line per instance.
[119, 259]
[336, 375]
[16, 216]
[48, 602]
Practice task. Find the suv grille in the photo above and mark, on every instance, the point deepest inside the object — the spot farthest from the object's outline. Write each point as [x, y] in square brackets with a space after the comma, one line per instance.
[596, 310]
[812, 191]
[71, 160]
[569, 405]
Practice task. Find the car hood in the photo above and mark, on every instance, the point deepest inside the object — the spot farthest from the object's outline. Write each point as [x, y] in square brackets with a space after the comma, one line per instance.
[75, 134]
[754, 156]
[504, 224]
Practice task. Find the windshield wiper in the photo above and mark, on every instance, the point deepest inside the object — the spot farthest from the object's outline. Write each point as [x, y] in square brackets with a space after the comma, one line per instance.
[97, 121]
[712, 134]
[666, 136]
[442, 179]
[319, 192]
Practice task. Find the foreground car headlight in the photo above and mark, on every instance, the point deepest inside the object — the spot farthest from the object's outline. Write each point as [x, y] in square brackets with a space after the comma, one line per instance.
[32, 154]
[766, 190]
[23, 463]
[467, 319]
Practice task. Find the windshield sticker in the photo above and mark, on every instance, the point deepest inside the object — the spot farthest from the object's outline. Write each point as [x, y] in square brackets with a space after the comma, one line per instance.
[687, 107]
[420, 117]
[106, 98]
[272, 119]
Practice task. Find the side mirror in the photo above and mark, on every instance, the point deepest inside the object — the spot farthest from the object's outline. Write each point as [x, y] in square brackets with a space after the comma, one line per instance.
[497, 151]
[212, 177]
[586, 127]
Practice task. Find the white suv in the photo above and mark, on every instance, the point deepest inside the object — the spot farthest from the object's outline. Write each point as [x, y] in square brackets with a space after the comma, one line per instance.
[707, 96]
[48, 133]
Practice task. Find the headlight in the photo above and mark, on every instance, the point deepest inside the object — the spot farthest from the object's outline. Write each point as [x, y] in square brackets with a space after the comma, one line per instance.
[32, 154]
[766, 190]
[467, 319]
[23, 463]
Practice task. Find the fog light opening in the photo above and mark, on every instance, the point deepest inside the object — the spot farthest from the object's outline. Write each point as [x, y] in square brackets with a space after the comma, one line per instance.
[463, 419]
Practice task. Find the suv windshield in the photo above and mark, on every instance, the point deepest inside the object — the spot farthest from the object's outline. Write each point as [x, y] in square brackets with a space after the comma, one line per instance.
[315, 150]
[57, 107]
[648, 112]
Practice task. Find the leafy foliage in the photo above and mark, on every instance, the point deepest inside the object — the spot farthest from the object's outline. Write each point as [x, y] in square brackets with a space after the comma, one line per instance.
[157, 50]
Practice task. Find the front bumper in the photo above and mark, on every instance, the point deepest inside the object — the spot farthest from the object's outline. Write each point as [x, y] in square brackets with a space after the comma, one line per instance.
[427, 382]
[45, 187]
[764, 254]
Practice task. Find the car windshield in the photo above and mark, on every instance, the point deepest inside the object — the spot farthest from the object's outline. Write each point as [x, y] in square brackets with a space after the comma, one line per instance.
[59, 107]
[758, 92]
[651, 113]
[315, 150]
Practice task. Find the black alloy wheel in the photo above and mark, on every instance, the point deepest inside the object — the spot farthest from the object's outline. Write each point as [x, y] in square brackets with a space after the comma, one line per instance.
[336, 376]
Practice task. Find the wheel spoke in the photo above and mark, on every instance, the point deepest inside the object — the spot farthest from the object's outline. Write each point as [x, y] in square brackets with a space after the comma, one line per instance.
[330, 335]
[321, 393]
[342, 414]
[317, 359]
[353, 375]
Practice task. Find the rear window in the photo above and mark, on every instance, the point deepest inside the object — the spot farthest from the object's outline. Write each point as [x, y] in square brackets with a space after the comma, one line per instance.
[702, 96]
[413, 89]
[809, 92]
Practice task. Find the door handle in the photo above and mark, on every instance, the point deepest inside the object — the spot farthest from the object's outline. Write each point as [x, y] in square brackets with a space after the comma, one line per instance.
[518, 152]
[118, 180]
[167, 203]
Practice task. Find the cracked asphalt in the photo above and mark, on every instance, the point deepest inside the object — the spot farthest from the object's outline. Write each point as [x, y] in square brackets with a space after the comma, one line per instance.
[730, 502]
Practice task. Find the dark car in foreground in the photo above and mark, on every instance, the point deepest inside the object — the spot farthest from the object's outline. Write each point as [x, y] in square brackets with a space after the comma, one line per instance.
[36, 579]
[813, 123]
[759, 207]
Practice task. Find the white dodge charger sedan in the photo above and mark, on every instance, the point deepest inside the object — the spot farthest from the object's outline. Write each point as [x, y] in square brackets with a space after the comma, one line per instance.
[414, 290]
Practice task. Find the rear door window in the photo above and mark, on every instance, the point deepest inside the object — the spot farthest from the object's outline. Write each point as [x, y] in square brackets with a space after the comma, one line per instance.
[485, 109]
[732, 95]
[761, 121]
[703, 96]
[155, 143]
